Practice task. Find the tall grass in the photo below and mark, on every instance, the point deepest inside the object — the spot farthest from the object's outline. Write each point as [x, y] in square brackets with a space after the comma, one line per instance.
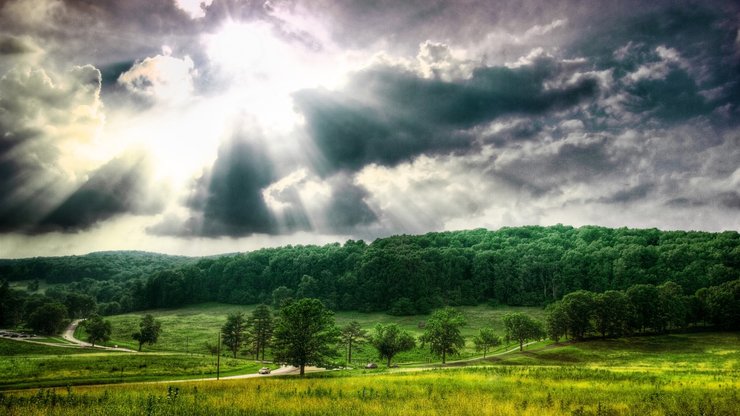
[106, 367]
[493, 390]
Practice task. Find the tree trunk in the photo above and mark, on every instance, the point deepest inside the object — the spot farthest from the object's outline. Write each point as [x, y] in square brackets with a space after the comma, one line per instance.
[140, 346]
[443, 356]
[389, 362]
[303, 369]
[521, 345]
[349, 353]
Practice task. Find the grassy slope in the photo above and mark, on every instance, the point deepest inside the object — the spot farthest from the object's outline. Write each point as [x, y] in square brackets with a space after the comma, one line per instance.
[9, 348]
[577, 379]
[189, 328]
[691, 352]
[24, 364]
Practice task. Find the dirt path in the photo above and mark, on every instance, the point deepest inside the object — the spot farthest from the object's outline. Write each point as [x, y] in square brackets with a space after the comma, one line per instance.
[469, 360]
[69, 335]
[282, 371]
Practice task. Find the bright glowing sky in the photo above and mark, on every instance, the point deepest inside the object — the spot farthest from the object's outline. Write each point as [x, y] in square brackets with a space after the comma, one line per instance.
[191, 127]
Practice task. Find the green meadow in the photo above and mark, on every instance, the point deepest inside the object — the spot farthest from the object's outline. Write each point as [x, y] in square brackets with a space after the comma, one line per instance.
[675, 374]
[189, 329]
[25, 364]
[687, 374]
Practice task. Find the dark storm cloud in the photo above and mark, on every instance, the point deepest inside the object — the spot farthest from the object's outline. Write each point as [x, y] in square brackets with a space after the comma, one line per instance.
[11, 45]
[674, 98]
[400, 115]
[404, 24]
[119, 187]
[548, 169]
[341, 207]
[630, 194]
[228, 200]
[348, 208]
[696, 75]
[34, 106]
[730, 199]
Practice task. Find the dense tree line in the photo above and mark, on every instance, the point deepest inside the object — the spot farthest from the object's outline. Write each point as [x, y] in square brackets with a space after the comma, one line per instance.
[643, 308]
[416, 274]
[108, 265]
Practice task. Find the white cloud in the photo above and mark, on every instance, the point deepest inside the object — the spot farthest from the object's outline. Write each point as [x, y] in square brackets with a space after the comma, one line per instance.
[669, 59]
[541, 30]
[438, 60]
[195, 8]
[162, 78]
[62, 112]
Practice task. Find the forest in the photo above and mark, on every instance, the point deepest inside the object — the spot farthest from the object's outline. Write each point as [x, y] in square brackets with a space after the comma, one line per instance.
[401, 275]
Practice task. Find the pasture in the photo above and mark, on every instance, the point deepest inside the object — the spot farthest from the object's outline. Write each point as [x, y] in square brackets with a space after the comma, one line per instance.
[24, 364]
[590, 378]
[189, 329]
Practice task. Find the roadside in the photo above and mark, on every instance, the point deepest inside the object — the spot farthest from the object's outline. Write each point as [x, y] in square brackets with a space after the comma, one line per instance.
[69, 335]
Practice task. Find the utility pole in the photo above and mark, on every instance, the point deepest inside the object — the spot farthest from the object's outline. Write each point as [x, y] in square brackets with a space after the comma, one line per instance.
[218, 357]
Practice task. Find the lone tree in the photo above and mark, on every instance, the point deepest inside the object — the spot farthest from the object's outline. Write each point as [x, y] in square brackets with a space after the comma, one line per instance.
[97, 329]
[390, 339]
[261, 326]
[149, 330]
[442, 332]
[486, 339]
[304, 334]
[352, 335]
[234, 332]
[521, 327]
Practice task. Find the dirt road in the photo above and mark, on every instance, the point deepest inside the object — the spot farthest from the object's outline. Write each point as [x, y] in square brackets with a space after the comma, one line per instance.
[69, 335]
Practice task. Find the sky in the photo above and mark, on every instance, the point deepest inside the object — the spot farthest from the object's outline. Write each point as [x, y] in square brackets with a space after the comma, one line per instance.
[201, 127]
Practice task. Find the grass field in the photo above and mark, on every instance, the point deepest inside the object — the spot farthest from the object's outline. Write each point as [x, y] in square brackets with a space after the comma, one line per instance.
[188, 329]
[684, 352]
[181, 352]
[10, 348]
[25, 364]
[615, 377]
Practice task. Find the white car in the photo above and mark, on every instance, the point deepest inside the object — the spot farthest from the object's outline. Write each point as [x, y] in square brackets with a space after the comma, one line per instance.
[264, 370]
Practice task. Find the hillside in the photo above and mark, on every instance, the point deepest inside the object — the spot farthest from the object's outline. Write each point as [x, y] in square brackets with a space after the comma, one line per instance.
[404, 275]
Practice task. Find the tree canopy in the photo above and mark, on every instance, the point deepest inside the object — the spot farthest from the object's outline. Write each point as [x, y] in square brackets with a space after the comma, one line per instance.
[352, 335]
[522, 328]
[148, 332]
[442, 332]
[98, 330]
[305, 334]
[390, 340]
[48, 319]
[234, 332]
[643, 308]
[485, 340]
[261, 326]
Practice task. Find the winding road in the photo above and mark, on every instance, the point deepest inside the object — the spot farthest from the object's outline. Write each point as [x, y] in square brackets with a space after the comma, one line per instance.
[69, 335]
